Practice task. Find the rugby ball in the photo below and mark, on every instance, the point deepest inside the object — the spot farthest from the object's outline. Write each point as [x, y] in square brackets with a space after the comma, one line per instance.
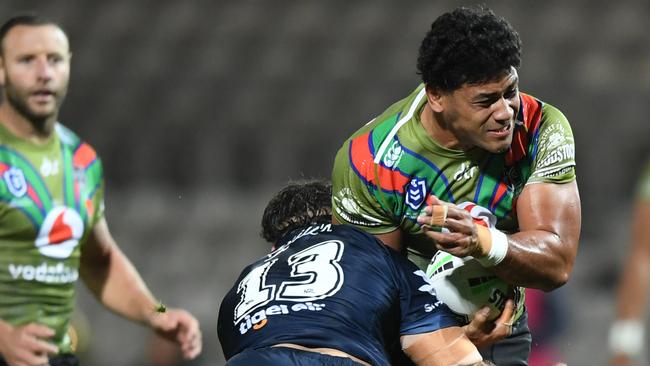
[465, 286]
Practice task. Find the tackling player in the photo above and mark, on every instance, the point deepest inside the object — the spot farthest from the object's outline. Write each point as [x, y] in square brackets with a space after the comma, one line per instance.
[52, 225]
[333, 295]
[467, 135]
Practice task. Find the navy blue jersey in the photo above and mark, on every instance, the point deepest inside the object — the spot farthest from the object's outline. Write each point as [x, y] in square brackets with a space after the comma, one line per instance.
[331, 286]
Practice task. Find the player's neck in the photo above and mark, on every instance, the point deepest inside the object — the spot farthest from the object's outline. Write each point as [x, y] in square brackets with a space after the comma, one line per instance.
[439, 132]
[23, 128]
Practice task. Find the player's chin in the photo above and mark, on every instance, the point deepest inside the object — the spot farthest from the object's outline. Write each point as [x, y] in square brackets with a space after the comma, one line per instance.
[497, 146]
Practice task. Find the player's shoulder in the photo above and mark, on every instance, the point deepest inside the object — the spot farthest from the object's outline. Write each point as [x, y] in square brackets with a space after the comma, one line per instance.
[534, 110]
[83, 153]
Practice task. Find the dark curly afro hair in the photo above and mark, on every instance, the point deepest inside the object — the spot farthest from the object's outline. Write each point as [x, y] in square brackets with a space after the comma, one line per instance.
[297, 205]
[467, 45]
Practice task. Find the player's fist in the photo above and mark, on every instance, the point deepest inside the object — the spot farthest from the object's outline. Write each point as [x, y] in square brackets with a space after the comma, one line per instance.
[26, 345]
[180, 327]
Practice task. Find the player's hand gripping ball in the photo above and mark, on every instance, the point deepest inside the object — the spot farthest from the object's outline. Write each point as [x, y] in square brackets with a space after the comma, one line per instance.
[466, 286]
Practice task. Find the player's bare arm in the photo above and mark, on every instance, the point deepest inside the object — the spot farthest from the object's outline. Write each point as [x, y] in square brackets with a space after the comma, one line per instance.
[111, 277]
[540, 255]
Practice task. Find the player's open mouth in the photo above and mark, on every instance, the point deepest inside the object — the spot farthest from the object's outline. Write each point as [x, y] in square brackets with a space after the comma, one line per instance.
[501, 132]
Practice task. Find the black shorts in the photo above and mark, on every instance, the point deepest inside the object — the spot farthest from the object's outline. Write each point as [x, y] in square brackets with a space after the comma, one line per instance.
[283, 356]
[61, 360]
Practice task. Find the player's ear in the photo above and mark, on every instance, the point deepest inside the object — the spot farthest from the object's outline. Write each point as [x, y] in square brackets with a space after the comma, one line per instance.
[434, 99]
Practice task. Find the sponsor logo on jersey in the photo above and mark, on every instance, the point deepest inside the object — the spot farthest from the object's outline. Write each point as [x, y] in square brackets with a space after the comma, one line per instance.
[349, 209]
[431, 307]
[45, 273]
[561, 153]
[15, 180]
[259, 319]
[393, 155]
[49, 167]
[60, 233]
[416, 192]
[465, 172]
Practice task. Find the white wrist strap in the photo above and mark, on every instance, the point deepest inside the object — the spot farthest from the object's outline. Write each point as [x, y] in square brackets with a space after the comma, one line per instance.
[498, 250]
[626, 337]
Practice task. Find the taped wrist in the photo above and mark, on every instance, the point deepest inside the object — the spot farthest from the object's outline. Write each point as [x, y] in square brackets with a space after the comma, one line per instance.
[492, 246]
[626, 337]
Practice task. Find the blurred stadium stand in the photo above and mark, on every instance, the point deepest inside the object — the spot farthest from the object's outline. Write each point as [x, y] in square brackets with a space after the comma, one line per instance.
[201, 109]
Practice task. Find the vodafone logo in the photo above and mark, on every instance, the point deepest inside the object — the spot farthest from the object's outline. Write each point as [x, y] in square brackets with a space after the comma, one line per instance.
[60, 233]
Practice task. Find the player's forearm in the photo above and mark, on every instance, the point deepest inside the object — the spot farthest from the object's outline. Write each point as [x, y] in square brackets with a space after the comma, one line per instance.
[117, 284]
[5, 328]
[537, 259]
[634, 285]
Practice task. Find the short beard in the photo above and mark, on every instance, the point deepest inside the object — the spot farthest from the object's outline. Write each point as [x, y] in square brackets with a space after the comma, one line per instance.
[39, 121]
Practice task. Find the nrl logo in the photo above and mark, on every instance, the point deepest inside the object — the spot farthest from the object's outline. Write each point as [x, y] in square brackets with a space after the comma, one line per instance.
[416, 192]
[15, 180]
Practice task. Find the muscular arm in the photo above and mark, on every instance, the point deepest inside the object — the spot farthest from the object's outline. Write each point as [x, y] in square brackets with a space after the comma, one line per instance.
[541, 255]
[111, 277]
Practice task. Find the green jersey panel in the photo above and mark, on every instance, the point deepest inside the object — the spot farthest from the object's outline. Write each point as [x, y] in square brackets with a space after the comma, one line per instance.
[51, 195]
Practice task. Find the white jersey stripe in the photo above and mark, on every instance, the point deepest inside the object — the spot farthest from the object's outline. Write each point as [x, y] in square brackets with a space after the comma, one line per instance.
[400, 123]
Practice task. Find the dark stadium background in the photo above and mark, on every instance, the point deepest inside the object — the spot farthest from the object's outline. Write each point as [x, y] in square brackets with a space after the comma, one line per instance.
[201, 109]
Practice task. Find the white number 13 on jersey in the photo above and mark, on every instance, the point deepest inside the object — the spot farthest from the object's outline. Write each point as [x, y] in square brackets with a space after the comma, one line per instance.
[315, 273]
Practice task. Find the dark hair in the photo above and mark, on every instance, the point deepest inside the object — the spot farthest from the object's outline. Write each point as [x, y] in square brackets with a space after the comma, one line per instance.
[468, 45]
[297, 205]
[23, 19]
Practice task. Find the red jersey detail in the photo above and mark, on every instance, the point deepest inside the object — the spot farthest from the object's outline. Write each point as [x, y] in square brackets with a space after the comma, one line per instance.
[501, 191]
[60, 231]
[84, 156]
[532, 111]
[362, 161]
[32, 194]
[90, 208]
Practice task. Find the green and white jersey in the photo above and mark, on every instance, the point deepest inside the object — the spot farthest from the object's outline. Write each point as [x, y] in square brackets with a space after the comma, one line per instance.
[51, 195]
[385, 172]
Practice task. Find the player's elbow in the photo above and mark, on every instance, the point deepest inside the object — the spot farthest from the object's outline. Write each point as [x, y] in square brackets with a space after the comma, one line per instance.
[556, 280]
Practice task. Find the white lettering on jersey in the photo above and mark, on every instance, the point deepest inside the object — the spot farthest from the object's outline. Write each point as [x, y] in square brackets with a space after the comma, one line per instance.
[466, 171]
[43, 273]
[49, 167]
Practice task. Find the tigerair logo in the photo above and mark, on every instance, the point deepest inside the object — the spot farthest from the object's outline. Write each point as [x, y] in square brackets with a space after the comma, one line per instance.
[60, 233]
[260, 318]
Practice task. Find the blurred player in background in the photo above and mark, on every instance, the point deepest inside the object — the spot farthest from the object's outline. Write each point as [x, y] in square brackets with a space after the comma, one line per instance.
[333, 295]
[467, 135]
[52, 224]
[626, 337]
